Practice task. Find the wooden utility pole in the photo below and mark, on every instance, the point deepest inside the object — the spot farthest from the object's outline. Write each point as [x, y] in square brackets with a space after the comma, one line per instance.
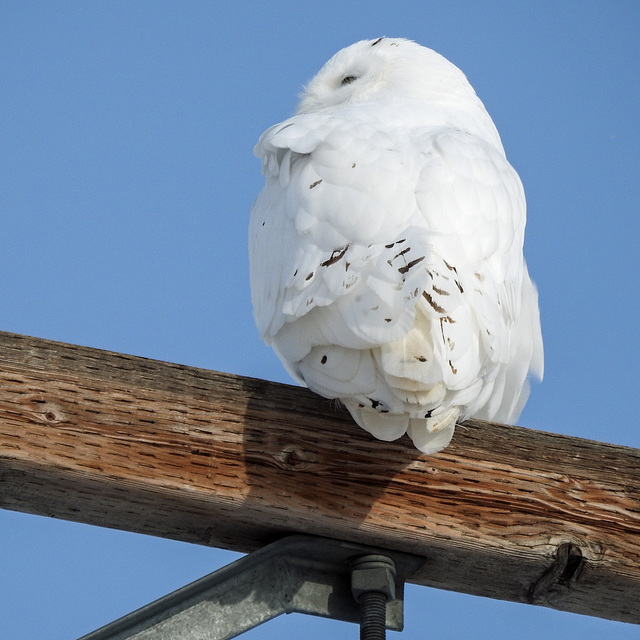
[225, 461]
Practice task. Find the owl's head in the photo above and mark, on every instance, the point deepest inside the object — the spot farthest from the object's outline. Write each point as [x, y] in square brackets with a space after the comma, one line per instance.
[402, 81]
[391, 69]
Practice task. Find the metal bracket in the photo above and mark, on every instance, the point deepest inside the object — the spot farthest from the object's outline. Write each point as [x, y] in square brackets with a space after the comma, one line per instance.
[297, 574]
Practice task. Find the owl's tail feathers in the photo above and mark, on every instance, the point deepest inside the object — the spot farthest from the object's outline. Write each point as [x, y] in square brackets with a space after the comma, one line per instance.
[429, 435]
[382, 425]
[433, 434]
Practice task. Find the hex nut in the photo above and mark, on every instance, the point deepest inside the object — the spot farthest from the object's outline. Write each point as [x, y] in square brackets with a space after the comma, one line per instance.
[373, 573]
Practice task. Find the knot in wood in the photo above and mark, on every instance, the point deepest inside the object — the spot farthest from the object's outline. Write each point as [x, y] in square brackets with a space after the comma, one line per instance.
[45, 411]
[294, 459]
[559, 577]
[53, 415]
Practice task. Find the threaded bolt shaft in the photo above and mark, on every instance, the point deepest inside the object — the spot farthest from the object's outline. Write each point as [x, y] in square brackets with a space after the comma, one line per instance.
[373, 614]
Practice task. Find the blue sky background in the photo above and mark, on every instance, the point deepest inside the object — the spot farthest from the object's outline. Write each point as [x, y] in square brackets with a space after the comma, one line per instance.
[126, 178]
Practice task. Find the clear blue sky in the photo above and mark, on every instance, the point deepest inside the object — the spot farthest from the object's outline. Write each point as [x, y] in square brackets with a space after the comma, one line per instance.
[126, 178]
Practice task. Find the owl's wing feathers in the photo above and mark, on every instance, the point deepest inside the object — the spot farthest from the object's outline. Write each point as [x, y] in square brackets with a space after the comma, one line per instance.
[400, 272]
[474, 203]
[330, 186]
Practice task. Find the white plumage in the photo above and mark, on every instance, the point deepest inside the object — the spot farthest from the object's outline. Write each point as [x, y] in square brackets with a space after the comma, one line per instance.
[386, 247]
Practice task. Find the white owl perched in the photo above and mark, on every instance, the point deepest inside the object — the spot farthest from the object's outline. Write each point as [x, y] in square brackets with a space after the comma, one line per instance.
[386, 247]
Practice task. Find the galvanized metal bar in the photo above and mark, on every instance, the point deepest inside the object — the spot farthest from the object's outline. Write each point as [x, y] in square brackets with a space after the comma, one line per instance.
[297, 574]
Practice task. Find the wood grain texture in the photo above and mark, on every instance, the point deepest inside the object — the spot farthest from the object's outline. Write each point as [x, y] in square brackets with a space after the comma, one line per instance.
[220, 460]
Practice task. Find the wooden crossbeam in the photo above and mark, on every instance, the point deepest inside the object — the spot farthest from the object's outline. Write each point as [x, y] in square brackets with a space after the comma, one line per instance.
[226, 461]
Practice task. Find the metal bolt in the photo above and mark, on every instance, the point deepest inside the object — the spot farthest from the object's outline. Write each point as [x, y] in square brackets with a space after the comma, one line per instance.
[373, 585]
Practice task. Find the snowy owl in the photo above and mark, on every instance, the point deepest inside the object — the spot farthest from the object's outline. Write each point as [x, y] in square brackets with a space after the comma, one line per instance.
[386, 247]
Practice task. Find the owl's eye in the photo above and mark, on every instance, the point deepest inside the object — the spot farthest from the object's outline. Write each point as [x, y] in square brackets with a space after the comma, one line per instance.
[348, 80]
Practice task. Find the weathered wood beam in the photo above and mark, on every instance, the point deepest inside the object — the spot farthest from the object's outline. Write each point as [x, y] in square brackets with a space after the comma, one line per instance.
[220, 460]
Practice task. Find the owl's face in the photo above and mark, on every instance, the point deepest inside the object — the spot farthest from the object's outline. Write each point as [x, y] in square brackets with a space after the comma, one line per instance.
[384, 70]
